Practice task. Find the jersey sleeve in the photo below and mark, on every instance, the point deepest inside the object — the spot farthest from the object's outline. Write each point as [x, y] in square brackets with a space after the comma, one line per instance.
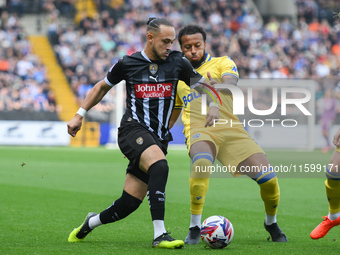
[189, 75]
[114, 75]
[228, 67]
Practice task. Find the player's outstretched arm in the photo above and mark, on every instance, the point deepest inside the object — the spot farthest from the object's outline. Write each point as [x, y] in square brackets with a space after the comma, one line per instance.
[228, 80]
[213, 114]
[201, 88]
[94, 97]
[211, 79]
[336, 139]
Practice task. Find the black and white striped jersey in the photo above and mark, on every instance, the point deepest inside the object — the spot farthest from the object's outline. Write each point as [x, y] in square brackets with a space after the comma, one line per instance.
[151, 88]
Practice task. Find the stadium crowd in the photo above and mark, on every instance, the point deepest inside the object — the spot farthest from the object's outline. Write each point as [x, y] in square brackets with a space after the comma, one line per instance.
[24, 85]
[273, 47]
[277, 49]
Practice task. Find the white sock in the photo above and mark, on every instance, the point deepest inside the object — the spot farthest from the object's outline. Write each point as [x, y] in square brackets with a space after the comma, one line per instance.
[195, 220]
[94, 222]
[270, 219]
[333, 216]
[159, 229]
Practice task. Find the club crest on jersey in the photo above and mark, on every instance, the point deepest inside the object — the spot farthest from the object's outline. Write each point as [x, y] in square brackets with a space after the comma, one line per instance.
[153, 68]
[139, 140]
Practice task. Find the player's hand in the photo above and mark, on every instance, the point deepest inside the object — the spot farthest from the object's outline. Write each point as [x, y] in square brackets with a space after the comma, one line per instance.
[336, 139]
[212, 116]
[74, 125]
[211, 80]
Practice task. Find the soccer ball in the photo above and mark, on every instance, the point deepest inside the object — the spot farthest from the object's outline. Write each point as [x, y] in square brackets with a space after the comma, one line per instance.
[217, 232]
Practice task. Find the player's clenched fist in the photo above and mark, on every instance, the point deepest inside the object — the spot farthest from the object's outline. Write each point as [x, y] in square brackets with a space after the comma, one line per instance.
[74, 125]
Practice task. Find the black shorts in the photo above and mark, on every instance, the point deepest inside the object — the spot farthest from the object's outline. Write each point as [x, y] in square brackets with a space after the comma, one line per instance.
[133, 139]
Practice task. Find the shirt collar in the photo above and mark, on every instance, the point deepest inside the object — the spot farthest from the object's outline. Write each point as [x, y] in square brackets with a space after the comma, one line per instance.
[206, 59]
[145, 56]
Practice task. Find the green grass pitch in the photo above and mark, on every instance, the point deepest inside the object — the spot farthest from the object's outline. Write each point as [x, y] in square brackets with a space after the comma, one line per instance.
[46, 192]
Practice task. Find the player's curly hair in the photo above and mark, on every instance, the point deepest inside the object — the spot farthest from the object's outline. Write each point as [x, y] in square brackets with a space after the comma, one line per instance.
[190, 30]
[154, 23]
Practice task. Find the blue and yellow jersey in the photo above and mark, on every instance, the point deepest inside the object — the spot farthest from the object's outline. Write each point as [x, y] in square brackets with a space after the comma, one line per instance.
[190, 100]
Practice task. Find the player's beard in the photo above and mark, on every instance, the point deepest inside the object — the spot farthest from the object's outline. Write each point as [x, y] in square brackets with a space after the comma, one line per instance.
[156, 54]
[197, 63]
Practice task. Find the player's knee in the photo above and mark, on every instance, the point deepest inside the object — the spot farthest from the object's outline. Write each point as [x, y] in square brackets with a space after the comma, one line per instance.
[159, 168]
[150, 156]
[198, 188]
[271, 186]
[130, 203]
[270, 194]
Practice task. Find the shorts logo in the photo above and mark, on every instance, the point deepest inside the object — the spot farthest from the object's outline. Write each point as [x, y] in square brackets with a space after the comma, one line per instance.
[195, 136]
[139, 140]
[153, 68]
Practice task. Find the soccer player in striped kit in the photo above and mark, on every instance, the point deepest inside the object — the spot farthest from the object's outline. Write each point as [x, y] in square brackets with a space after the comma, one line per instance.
[151, 82]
